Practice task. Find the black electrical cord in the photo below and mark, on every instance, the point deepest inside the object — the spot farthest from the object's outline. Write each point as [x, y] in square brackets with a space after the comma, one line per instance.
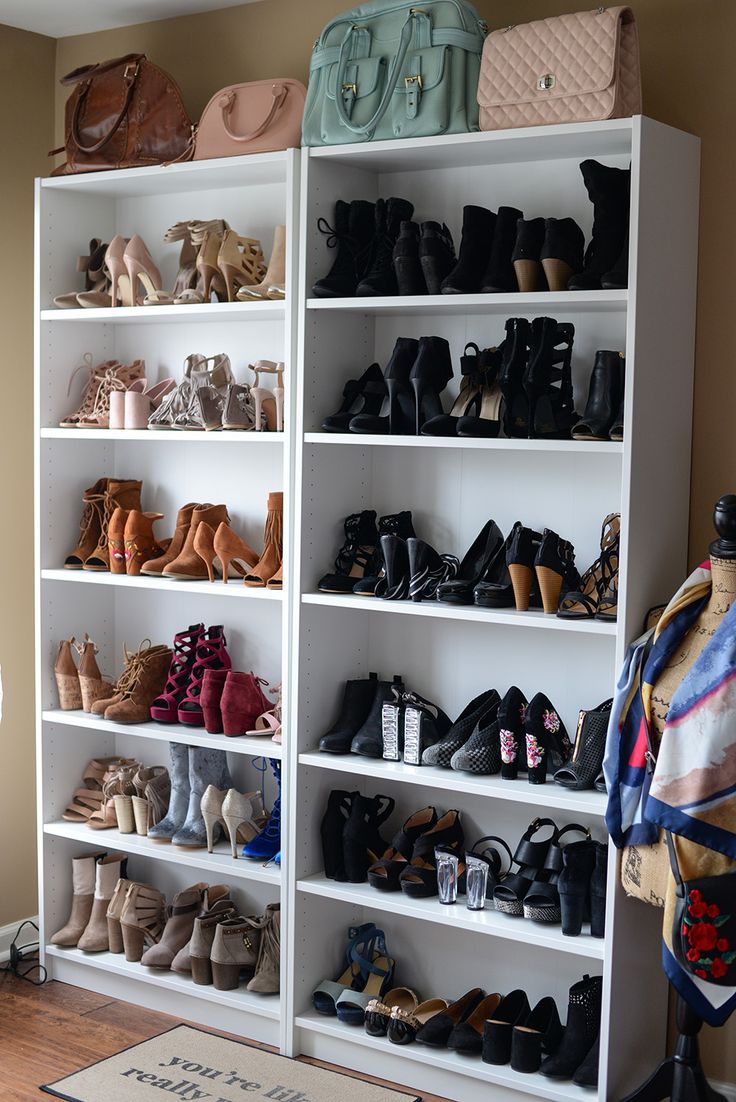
[23, 961]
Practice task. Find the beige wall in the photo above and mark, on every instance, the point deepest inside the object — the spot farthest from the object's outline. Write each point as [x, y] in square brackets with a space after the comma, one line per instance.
[686, 54]
[26, 127]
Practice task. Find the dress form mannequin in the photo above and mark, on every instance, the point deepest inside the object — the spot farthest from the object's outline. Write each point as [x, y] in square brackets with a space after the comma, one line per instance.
[681, 1077]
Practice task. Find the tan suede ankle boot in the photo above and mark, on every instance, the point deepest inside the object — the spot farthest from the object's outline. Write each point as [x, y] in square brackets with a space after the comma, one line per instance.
[270, 560]
[143, 680]
[120, 494]
[114, 911]
[235, 949]
[116, 541]
[188, 566]
[216, 906]
[108, 871]
[183, 521]
[140, 542]
[178, 930]
[90, 526]
[83, 891]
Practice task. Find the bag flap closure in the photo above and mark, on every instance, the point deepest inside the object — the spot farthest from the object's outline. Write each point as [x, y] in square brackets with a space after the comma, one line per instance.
[86, 72]
[423, 67]
[566, 55]
[364, 73]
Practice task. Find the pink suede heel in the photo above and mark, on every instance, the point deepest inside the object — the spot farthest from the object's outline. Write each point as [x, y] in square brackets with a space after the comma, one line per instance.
[165, 709]
[211, 655]
[242, 702]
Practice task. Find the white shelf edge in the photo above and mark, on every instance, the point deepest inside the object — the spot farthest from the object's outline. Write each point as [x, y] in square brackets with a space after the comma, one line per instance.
[161, 732]
[458, 917]
[548, 795]
[152, 315]
[547, 447]
[216, 865]
[250, 439]
[131, 178]
[240, 1000]
[438, 611]
[511, 303]
[234, 589]
[445, 1060]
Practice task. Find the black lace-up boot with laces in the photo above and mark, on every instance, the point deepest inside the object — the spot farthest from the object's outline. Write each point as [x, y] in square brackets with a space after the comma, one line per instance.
[380, 278]
[352, 236]
[355, 555]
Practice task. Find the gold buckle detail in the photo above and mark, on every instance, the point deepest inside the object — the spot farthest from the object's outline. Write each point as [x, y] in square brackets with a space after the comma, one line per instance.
[131, 67]
[414, 80]
[350, 88]
[417, 11]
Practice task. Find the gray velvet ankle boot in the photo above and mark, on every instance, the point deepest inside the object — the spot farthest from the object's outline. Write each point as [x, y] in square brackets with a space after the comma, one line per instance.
[206, 767]
[179, 798]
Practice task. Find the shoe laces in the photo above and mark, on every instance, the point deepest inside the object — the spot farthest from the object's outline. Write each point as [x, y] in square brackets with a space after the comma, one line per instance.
[135, 664]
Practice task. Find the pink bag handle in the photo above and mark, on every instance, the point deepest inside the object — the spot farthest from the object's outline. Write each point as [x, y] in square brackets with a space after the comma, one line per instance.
[226, 102]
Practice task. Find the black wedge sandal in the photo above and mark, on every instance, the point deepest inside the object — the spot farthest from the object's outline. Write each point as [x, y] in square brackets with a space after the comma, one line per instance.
[418, 879]
[542, 901]
[384, 875]
[509, 895]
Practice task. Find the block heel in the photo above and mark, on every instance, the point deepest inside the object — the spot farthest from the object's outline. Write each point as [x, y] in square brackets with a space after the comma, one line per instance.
[521, 580]
[226, 977]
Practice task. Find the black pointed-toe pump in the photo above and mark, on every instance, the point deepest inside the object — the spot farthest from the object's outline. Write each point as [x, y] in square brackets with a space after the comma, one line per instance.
[459, 590]
[364, 395]
[400, 418]
[430, 374]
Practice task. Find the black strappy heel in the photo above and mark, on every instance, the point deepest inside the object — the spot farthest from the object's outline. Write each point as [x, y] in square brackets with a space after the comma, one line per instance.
[542, 901]
[515, 355]
[583, 603]
[384, 875]
[548, 380]
[419, 879]
[363, 395]
[530, 856]
[492, 857]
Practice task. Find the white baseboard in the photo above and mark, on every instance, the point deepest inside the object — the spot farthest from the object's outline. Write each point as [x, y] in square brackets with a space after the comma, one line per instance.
[7, 934]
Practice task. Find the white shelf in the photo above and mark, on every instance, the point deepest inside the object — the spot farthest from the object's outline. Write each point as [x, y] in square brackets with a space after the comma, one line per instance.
[154, 436]
[221, 172]
[215, 312]
[548, 796]
[167, 732]
[219, 866]
[543, 302]
[548, 447]
[470, 614]
[266, 1006]
[611, 137]
[234, 590]
[443, 1060]
[455, 917]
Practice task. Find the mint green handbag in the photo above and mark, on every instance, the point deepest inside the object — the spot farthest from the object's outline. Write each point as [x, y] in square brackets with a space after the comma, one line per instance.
[390, 70]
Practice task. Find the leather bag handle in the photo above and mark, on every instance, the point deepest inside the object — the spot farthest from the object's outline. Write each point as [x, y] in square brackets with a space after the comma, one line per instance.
[129, 78]
[279, 93]
[396, 64]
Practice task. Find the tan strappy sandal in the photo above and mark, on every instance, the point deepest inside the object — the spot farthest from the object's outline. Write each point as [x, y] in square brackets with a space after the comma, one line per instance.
[273, 285]
[584, 603]
[241, 262]
[268, 404]
[118, 781]
[87, 800]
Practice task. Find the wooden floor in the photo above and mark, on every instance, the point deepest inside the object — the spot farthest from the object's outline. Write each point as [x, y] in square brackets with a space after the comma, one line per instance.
[47, 1032]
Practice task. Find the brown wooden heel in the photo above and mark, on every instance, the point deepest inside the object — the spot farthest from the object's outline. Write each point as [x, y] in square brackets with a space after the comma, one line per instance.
[550, 584]
[521, 580]
[201, 971]
[226, 977]
[557, 273]
[529, 275]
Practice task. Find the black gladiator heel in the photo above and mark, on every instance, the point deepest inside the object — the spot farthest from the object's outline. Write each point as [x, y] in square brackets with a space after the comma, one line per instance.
[515, 355]
[355, 554]
[548, 380]
[362, 841]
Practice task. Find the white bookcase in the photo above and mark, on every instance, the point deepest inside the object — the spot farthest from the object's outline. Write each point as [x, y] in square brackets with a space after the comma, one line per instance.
[316, 641]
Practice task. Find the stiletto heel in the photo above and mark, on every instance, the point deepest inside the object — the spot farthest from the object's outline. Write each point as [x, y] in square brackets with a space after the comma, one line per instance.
[515, 353]
[204, 546]
[244, 268]
[121, 286]
[369, 390]
[400, 418]
[140, 267]
[430, 374]
[584, 602]
[520, 558]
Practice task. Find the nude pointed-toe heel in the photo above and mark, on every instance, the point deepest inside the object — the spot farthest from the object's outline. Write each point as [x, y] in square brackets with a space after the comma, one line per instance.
[121, 287]
[140, 268]
[236, 557]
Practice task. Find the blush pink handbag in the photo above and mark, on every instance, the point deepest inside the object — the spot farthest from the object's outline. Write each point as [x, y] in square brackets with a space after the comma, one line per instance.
[259, 117]
[570, 68]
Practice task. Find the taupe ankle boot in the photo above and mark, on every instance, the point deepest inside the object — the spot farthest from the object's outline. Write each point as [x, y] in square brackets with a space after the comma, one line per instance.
[188, 566]
[142, 919]
[234, 949]
[119, 494]
[143, 680]
[183, 521]
[178, 930]
[90, 526]
[108, 871]
[270, 561]
[266, 981]
[83, 889]
[114, 911]
[216, 905]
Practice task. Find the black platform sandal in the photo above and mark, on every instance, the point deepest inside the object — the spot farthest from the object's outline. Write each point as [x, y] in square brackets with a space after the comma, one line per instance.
[363, 395]
[542, 901]
[418, 879]
[492, 857]
[548, 380]
[509, 895]
[362, 841]
[590, 745]
[384, 875]
[539, 1035]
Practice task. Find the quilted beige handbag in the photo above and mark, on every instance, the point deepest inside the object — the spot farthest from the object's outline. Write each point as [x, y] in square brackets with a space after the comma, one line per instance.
[571, 68]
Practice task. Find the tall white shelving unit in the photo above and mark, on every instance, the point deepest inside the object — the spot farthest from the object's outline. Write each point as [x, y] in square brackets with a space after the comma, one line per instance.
[317, 641]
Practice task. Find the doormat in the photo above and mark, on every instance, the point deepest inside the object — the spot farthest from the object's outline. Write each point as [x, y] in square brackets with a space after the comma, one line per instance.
[189, 1065]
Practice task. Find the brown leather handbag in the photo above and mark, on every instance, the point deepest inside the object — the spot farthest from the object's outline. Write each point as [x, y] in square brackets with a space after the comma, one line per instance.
[122, 114]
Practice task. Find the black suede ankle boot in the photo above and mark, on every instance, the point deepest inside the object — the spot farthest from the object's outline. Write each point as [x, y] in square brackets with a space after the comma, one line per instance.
[369, 739]
[618, 277]
[436, 255]
[475, 249]
[583, 1024]
[352, 236]
[408, 270]
[526, 255]
[608, 190]
[605, 391]
[393, 524]
[499, 274]
[354, 555]
[574, 885]
[380, 278]
[562, 251]
[356, 704]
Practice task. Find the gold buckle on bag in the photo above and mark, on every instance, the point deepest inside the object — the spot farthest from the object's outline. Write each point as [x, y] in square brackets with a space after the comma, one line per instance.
[414, 80]
[350, 88]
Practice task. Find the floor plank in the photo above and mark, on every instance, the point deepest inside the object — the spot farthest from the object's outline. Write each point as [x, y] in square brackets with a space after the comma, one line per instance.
[48, 1032]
